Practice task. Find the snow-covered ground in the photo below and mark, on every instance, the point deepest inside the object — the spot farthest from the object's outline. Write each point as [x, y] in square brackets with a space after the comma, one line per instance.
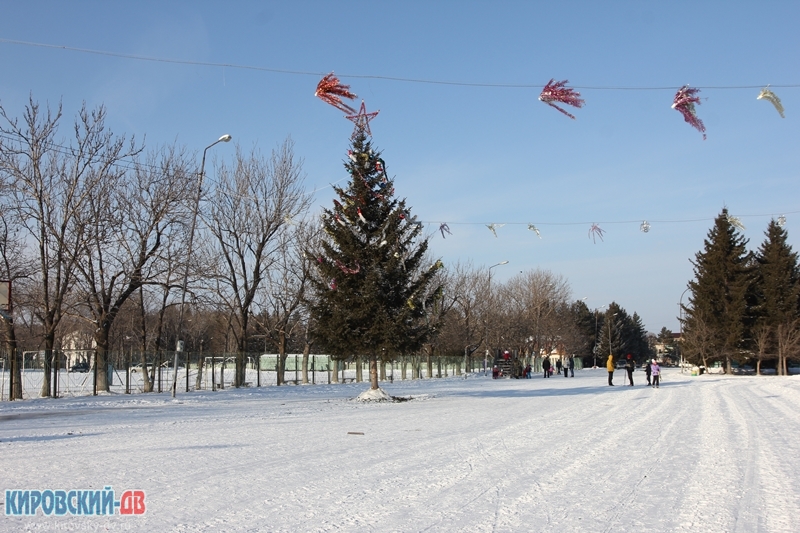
[709, 453]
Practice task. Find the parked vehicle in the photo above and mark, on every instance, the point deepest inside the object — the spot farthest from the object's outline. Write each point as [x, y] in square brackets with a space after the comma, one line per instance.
[80, 367]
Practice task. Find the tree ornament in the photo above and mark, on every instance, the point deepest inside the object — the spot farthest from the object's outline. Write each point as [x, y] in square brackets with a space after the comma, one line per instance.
[596, 231]
[535, 230]
[644, 226]
[344, 268]
[361, 119]
[444, 228]
[333, 284]
[380, 166]
[735, 222]
[557, 92]
[360, 216]
[766, 94]
[781, 221]
[684, 102]
[494, 227]
[331, 91]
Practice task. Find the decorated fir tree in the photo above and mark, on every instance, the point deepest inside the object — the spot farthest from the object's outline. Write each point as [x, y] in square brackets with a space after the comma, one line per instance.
[375, 283]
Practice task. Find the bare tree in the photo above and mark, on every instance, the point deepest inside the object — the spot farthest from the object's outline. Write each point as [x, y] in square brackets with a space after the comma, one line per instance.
[788, 341]
[285, 291]
[254, 200]
[129, 217]
[762, 337]
[52, 184]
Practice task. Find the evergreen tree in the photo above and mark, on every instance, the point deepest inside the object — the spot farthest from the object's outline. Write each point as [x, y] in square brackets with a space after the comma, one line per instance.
[777, 288]
[716, 316]
[375, 284]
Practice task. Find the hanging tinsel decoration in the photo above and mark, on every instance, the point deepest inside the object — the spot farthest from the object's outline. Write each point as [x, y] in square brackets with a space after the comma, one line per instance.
[444, 228]
[684, 102]
[557, 92]
[735, 222]
[494, 227]
[348, 270]
[781, 221]
[594, 232]
[331, 91]
[535, 230]
[770, 96]
[361, 119]
[644, 226]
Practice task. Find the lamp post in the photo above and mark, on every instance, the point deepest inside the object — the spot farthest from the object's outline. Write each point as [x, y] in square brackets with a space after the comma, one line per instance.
[180, 344]
[486, 355]
[680, 325]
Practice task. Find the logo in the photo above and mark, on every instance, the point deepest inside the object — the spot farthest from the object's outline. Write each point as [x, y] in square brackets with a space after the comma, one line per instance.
[74, 502]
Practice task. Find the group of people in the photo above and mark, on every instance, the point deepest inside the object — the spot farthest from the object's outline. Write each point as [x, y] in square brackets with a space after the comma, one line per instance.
[568, 366]
[651, 369]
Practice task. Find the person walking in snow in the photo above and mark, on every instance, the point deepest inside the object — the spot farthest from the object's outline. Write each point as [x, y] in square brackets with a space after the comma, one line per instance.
[571, 363]
[610, 368]
[546, 366]
[558, 365]
[648, 370]
[656, 371]
[629, 366]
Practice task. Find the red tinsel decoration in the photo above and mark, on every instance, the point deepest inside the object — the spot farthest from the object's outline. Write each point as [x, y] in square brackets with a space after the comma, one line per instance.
[556, 92]
[596, 231]
[331, 91]
[348, 270]
[684, 102]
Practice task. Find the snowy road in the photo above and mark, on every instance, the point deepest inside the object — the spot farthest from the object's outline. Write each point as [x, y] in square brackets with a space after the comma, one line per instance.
[710, 453]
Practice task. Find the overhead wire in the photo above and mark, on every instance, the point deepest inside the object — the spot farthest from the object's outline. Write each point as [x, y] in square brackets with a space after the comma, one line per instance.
[366, 76]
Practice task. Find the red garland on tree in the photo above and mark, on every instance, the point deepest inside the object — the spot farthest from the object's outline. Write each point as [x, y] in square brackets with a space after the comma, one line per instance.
[331, 91]
[684, 102]
[556, 92]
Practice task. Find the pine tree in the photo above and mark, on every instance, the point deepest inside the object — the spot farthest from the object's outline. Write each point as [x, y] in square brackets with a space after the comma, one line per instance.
[375, 283]
[777, 288]
[716, 316]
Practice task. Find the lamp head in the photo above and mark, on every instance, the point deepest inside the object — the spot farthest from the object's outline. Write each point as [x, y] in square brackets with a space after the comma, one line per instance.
[225, 138]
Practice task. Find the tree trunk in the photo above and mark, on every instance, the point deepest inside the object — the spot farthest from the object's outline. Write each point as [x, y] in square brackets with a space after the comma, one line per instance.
[359, 369]
[49, 342]
[403, 365]
[15, 387]
[101, 357]
[373, 372]
[199, 380]
[306, 351]
[430, 365]
[334, 363]
[382, 370]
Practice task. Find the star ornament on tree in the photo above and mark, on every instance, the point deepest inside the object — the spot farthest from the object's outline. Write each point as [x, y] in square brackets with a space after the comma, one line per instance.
[684, 102]
[557, 92]
[362, 118]
[331, 91]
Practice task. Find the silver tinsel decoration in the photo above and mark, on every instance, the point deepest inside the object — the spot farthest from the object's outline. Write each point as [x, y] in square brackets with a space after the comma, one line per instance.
[644, 226]
[781, 221]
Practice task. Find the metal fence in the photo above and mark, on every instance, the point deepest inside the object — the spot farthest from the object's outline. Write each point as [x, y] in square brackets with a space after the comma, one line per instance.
[76, 372]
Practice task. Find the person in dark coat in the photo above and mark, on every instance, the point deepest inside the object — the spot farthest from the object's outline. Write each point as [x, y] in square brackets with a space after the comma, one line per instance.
[648, 370]
[558, 365]
[571, 363]
[629, 366]
[546, 366]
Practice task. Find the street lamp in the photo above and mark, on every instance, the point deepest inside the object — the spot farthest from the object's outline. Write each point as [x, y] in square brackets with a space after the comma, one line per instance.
[486, 355]
[180, 344]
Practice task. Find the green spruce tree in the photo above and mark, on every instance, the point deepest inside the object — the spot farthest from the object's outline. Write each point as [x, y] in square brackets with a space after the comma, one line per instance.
[777, 290]
[717, 313]
[375, 285]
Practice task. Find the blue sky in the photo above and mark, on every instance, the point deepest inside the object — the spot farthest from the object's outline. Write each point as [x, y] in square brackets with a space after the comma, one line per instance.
[463, 154]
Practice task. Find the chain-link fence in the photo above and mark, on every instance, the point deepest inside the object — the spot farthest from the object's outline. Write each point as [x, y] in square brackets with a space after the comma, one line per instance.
[73, 372]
